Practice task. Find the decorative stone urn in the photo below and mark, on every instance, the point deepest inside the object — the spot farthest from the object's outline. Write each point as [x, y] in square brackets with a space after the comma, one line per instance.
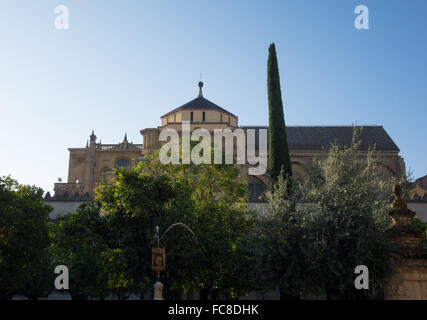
[409, 279]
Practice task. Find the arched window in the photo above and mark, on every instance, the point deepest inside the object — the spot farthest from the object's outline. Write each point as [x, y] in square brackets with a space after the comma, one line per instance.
[123, 163]
[256, 189]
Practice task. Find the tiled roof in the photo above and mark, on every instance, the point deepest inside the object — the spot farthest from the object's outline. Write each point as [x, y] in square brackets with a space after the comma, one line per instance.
[199, 103]
[319, 137]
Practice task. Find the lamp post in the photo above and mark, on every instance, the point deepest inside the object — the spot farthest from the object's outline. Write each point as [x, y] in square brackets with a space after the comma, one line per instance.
[158, 263]
[158, 258]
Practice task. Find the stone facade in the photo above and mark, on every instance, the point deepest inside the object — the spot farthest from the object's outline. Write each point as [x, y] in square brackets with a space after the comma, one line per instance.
[422, 182]
[409, 281]
[90, 165]
[417, 198]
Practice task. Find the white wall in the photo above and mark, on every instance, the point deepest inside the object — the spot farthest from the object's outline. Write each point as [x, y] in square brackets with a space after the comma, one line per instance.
[420, 210]
[61, 208]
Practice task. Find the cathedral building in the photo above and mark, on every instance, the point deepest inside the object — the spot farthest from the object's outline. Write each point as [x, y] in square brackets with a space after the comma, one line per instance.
[88, 166]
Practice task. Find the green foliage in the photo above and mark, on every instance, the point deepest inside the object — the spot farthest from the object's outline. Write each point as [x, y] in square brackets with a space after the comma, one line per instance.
[279, 151]
[107, 244]
[134, 204]
[279, 235]
[216, 258]
[422, 226]
[79, 241]
[213, 244]
[340, 224]
[24, 240]
[419, 224]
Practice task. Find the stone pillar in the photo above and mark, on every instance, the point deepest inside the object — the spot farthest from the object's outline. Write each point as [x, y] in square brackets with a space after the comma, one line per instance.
[409, 279]
[150, 139]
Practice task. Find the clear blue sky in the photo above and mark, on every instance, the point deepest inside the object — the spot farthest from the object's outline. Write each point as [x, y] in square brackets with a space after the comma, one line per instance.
[122, 64]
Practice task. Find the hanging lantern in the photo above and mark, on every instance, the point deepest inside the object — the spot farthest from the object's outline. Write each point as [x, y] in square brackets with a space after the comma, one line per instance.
[158, 260]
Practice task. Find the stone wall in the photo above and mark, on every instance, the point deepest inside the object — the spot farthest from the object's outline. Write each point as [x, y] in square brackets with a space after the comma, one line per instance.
[408, 282]
[420, 208]
[61, 208]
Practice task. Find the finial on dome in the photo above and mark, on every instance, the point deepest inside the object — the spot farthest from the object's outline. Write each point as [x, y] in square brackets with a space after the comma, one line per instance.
[200, 89]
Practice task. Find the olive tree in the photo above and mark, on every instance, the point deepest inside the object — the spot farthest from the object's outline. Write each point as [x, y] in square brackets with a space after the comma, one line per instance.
[338, 224]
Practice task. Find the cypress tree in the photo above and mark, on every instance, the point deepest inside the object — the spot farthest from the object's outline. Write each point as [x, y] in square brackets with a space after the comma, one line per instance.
[280, 158]
[278, 148]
